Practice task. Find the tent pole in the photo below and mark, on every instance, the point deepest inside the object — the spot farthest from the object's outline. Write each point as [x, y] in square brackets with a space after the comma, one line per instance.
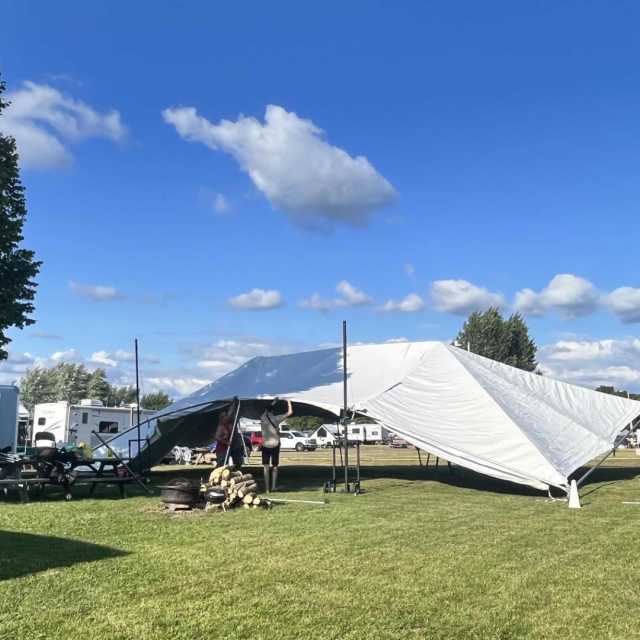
[235, 422]
[344, 413]
[622, 436]
[137, 396]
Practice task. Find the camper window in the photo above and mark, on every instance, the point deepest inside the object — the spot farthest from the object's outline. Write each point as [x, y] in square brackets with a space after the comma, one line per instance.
[41, 422]
[108, 427]
[355, 430]
[85, 417]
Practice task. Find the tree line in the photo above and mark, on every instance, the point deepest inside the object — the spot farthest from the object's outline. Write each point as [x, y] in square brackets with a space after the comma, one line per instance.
[74, 382]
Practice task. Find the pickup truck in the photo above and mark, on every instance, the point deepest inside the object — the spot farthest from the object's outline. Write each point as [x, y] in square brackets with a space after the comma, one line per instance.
[296, 441]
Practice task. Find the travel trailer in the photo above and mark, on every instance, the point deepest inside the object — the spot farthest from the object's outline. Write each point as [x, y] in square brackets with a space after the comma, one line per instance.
[365, 432]
[74, 423]
[8, 417]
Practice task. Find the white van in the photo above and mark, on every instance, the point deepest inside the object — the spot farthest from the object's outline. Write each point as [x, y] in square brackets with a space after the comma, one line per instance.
[74, 423]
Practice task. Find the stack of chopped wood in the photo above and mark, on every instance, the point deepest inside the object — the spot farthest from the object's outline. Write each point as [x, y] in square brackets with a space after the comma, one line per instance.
[205, 458]
[240, 489]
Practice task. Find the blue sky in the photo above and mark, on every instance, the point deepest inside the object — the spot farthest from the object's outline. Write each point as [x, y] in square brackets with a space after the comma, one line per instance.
[461, 154]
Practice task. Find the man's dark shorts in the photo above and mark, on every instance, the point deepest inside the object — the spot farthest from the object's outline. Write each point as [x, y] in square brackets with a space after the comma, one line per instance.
[271, 455]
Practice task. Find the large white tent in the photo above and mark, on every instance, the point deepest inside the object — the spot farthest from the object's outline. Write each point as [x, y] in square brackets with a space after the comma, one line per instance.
[469, 410]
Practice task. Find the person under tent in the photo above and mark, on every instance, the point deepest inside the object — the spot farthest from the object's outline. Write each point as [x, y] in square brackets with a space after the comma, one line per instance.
[223, 438]
[269, 423]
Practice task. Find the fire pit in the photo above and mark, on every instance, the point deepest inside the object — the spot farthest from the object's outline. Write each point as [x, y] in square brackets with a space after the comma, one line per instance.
[180, 492]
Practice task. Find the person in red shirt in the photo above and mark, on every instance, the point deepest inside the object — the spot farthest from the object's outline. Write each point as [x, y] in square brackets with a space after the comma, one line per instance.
[223, 438]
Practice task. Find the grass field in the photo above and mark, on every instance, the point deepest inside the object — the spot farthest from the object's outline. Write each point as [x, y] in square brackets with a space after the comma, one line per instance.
[422, 554]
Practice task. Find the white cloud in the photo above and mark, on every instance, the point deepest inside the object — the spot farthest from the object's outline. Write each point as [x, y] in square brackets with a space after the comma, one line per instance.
[410, 304]
[569, 295]
[350, 297]
[353, 297]
[175, 386]
[69, 355]
[625, 303]
[258, 300]
[462, 297]
[12, 369]
[96, 292]
[224, 355]
[594, 362]
[290, 162]
[220, 204]
[102, 358]
[43, 120]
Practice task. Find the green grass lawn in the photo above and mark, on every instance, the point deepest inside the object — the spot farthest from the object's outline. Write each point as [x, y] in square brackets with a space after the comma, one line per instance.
[422, 554]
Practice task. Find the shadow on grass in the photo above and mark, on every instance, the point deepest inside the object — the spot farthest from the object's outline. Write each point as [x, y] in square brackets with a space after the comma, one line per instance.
[24, 554]
[294, 478]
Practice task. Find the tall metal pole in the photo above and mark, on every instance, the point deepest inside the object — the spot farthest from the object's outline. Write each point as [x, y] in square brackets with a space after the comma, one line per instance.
[138, 396]
[344, 414]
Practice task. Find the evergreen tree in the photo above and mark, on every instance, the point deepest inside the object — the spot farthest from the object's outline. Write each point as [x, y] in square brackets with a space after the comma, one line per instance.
[522, 348]
[488, 334]
[18, 268]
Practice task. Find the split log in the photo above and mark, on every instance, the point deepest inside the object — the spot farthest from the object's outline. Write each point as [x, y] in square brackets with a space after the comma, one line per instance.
[241, 485]
[247, 489]
[248, 499]
[257, 500]
[243, 477]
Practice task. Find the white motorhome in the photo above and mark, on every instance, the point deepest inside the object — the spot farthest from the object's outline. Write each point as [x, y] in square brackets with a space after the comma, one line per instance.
[75, 423]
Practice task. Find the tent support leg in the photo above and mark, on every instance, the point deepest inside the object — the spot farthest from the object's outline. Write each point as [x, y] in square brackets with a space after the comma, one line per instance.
[437, 461]
[233, 431]
[419, 457]
[428, 458]
[622, 436]
[450, 467]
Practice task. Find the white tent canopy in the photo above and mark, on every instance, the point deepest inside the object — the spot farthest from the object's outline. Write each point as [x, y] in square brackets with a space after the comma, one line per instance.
[480, 414]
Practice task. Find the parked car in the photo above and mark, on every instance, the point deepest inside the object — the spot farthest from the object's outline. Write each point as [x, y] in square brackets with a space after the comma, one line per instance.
[294, 440]
[256, 440]
[397, 442]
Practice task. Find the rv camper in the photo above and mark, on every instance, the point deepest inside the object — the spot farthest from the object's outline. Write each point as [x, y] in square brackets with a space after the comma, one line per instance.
[8, 417]
[365, 432]
[74, 423]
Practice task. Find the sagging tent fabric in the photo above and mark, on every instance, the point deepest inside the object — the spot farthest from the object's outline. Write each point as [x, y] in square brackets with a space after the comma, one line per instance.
[477, 413]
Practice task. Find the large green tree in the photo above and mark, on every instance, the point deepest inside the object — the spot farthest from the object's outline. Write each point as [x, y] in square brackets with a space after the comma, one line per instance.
[37, 385]
[98, 387]
[488, 334]
[155, 401]
[18, 266]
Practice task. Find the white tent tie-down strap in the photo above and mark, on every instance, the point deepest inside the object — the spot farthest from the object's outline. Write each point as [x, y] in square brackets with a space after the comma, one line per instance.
[478, 413]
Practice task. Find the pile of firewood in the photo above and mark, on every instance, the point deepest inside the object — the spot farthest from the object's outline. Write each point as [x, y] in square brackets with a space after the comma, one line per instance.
[240, 490]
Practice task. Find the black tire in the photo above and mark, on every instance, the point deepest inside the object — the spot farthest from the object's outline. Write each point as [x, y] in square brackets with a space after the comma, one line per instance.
[299, 447]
